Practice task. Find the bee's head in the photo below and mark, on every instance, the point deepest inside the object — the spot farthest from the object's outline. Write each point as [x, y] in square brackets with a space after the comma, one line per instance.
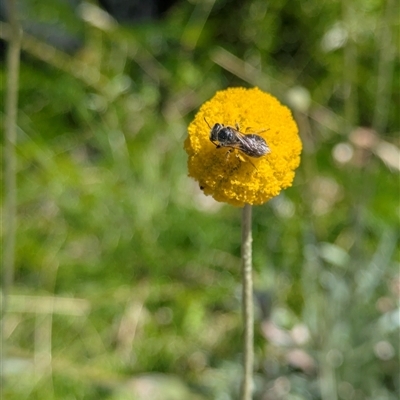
[215, 133]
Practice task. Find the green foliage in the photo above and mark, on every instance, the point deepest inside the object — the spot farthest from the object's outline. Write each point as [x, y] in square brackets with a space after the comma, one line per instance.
[149, 268]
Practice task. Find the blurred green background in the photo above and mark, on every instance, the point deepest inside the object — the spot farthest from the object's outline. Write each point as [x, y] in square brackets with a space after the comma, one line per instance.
[127, 278]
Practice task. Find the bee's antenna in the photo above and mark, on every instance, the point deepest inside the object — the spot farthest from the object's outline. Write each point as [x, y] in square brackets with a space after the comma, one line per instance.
[207, 122]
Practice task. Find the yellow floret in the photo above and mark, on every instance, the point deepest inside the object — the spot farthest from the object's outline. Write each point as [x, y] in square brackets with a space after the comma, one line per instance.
[232, 176]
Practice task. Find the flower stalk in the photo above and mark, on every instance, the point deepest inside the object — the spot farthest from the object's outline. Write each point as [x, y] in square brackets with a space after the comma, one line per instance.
[247, 304]
[232, 169]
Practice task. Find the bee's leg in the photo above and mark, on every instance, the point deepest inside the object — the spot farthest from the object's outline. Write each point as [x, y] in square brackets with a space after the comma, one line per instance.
[244, 159]
[237, 157]
[253, 165]
[228, 152]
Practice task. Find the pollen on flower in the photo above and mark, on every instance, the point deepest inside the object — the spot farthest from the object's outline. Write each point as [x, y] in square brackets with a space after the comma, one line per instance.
[227, 173]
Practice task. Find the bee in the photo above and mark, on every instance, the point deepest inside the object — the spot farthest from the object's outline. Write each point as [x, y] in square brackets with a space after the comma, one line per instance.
[250, 144]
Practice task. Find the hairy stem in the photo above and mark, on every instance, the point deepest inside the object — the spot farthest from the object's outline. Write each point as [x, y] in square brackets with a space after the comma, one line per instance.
[247, 298]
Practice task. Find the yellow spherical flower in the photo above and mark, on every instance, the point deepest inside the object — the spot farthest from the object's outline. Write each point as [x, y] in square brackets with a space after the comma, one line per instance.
[229, 174]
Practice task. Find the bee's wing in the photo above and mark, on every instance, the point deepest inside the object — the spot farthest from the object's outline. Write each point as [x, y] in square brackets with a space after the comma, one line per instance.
[243, 139]
[252, 145]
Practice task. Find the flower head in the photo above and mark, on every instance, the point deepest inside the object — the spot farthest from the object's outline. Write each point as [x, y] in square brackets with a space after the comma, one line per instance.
[227, 172]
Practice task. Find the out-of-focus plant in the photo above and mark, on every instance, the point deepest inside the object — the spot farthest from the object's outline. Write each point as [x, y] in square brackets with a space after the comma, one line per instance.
[113, 285]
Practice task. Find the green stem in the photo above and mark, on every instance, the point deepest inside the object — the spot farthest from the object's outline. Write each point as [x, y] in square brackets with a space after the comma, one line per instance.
[10, 129]
[386, 65]
[248, 311]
